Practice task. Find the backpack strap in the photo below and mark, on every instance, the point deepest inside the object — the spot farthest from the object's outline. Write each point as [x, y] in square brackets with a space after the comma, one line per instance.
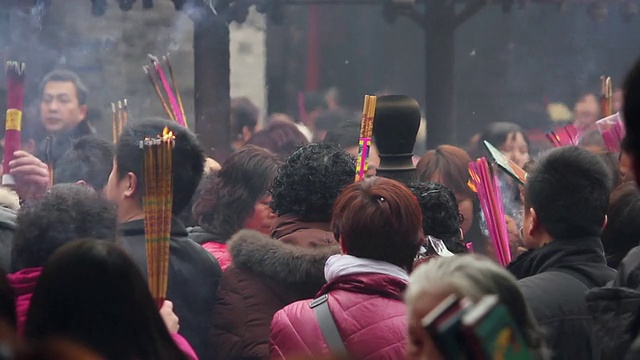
[327, 325]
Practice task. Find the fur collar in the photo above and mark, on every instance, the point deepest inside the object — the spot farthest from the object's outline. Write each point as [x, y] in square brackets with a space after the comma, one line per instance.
[281, 262]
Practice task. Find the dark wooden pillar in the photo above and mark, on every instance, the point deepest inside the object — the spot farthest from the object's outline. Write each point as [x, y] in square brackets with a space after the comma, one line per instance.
[440, 55]
[211, 69]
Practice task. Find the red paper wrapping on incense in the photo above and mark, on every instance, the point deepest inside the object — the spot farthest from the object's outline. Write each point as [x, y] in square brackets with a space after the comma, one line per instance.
[13, 122]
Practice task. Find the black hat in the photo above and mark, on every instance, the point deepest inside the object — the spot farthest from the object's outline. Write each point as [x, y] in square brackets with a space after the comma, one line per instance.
[395, 127]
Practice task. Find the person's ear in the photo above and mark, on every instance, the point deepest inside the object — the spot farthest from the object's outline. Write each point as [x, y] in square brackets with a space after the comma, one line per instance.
[132, 185]
[535, 223]
[81, 182]
[606, 220]
[246, 133]
[341, 242]
[83, 112]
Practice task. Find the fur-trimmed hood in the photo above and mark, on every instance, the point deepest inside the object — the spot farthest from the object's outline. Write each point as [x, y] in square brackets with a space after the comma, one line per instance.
[258, 253]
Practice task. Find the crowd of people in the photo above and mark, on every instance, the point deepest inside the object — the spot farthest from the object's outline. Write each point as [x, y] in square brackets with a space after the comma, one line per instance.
[276, 253]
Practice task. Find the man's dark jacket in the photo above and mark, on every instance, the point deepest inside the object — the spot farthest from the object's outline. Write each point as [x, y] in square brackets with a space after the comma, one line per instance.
[194, 277]
[616, 310]
[554, 280]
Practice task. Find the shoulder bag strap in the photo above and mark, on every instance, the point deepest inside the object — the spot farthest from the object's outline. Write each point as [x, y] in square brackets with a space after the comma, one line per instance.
[327, 324]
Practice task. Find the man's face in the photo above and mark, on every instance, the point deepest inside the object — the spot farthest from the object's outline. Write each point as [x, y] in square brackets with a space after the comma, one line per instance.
[59, 107]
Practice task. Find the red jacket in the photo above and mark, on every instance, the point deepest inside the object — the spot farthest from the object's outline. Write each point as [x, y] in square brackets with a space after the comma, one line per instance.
[220, 252]
[368, 311]
[23, 283]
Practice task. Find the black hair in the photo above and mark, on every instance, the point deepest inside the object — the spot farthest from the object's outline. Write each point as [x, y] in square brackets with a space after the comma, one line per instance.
[64, 75]
[631, 108]
[7, 302]
[90, 159]
[346, 134]
[330, 120]
[67, 212]
[229, 198]
[310, 181]
[623, 230]
[497, 134]
[569, 189]
[613, 167]
[91, 292]
[440, 216]
[243, 113]
[314, 101]
[188, 158]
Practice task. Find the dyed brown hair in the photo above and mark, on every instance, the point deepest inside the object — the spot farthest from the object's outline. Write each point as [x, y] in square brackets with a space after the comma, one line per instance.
[379, 219]
[451, 165]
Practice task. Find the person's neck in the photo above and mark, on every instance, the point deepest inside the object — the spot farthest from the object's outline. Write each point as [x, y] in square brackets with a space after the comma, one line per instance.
[542, 240]
[126, 215]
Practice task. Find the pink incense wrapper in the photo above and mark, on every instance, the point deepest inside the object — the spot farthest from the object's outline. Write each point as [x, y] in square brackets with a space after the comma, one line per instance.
[13, 122]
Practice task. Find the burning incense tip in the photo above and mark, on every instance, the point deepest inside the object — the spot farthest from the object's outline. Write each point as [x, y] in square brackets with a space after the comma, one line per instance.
[153, 59]
[16, 67]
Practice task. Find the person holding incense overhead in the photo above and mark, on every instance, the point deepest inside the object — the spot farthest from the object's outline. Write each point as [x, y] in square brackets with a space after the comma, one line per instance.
[194, 274]
[63, 111]
[514, 144]
[566, 198]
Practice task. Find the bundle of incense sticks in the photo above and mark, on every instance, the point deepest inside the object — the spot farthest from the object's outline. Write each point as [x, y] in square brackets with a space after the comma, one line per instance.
[490, 198]
[566, 135]
[172, 105]
[366, 131]
[612, 130]
[606, 96]
[157, 203]
[13, 122]
[119, 117]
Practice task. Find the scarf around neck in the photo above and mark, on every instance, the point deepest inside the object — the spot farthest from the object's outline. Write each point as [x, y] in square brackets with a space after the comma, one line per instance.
[340, 265]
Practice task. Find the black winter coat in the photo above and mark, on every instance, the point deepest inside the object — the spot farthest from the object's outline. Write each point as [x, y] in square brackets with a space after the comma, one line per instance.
[616, 310]
[554, 280]
[194, 277]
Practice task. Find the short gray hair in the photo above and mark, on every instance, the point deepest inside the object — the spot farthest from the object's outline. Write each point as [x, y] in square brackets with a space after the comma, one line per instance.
[474, 276]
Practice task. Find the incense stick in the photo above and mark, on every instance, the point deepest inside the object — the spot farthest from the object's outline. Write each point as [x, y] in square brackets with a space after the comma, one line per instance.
[165, 84]
[125, 107]
[113, 123]
[176, 89]
[492, 206]
[366, 131]
[13, 123]
[157, 203]
[606, 96]
[119, 117]
[163, 102]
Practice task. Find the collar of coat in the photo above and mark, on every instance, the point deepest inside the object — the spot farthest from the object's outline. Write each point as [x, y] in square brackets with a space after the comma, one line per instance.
[265, 256]
[136, 227]
[584, 255]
